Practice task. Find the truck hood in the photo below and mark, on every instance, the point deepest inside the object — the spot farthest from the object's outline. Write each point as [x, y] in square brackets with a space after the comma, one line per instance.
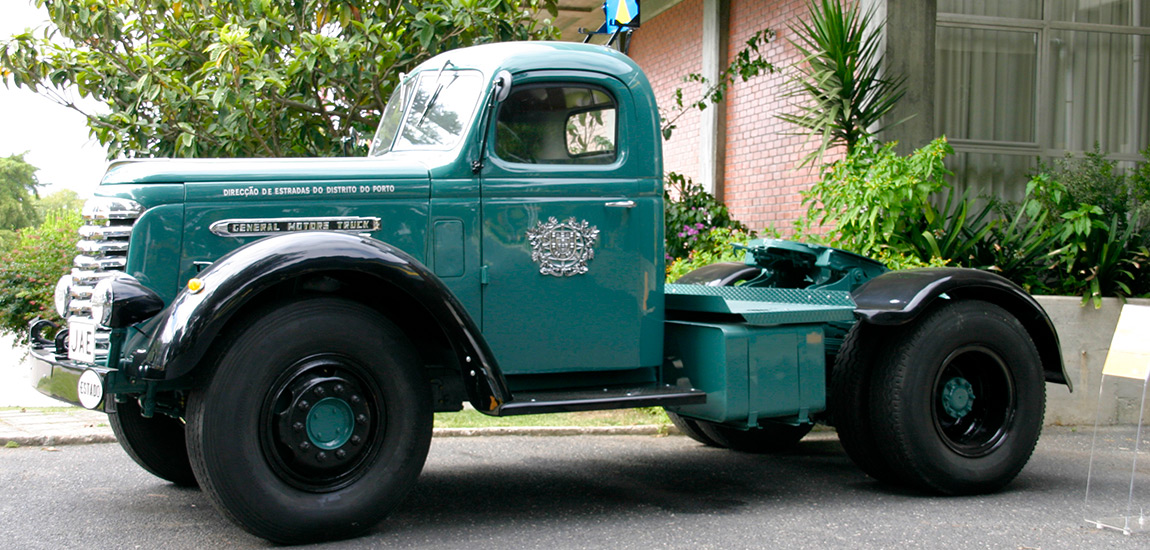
[216, 171]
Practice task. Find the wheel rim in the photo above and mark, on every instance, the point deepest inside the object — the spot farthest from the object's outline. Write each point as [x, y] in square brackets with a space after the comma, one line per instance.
[322, 423]
[973, 401]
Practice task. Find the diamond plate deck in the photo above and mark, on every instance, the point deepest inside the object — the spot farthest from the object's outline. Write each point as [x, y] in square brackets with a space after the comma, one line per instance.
[763, 306]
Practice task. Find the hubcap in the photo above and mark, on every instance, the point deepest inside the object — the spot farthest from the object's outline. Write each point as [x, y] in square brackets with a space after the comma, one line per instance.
[329, 423]
[323, 422]
[957, 397]
[974, 401]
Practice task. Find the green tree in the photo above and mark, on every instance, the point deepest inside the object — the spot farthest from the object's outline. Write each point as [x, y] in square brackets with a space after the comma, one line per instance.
[18, 185]
[225, 78]
[64, 199]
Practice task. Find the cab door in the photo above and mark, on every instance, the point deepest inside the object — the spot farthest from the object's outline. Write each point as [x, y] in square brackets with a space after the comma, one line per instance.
[571, 231]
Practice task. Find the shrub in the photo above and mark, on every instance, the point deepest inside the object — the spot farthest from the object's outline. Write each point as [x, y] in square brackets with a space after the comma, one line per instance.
[710, 247]
[690, 213]
[29, 271]
[1083, 228]
[873, 198]
[1096, 215]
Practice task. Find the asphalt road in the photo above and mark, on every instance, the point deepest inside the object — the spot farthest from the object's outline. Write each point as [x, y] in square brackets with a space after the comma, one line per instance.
[618, 492]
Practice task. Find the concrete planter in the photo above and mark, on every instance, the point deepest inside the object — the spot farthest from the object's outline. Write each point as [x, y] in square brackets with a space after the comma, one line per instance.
[1085, 335]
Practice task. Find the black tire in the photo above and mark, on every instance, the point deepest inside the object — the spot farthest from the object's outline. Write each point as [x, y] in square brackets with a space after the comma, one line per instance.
[156, 444]
[768, 438]
[849, 400]
[958, 399]
[690, 428]
[316, 422]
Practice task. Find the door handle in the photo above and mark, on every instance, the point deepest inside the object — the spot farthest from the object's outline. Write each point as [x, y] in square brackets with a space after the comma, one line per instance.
[621, 204]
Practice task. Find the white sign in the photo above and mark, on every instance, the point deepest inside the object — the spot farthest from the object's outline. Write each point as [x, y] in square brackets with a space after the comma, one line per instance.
[90, 389]
[1129, 355]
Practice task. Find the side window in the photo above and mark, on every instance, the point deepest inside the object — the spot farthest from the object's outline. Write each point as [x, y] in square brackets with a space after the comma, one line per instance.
[557, 125]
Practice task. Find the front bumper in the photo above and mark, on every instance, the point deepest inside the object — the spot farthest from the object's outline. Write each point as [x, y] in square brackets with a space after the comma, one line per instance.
[55, 375]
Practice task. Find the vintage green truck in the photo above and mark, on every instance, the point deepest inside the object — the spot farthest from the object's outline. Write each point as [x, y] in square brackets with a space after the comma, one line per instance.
[280, 332]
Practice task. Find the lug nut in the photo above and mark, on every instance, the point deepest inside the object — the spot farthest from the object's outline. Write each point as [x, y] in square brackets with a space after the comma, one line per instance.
[341, 454]
[361, 418]
[338, 388]
[304, 445]
[356, 440]
[320, 391]
[321, 456]
[298, 426]
[355, 399]
[303, 405]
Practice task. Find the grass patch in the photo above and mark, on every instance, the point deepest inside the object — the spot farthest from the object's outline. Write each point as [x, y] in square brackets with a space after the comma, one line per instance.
[469, 418]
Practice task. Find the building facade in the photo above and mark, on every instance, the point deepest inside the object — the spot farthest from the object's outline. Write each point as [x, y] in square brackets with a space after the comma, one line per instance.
[1008, 82]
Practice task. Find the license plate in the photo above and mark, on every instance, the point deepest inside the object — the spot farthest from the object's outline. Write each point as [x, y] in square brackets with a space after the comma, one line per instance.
[82, 340]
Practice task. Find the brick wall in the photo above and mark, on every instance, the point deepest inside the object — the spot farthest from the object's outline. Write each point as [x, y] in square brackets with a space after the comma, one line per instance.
[762, 180]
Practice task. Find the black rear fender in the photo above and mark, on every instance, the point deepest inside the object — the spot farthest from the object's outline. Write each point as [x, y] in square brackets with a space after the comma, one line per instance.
[899, 297]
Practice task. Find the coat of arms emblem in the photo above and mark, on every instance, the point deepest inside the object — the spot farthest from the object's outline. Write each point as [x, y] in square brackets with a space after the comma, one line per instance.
[563, 248]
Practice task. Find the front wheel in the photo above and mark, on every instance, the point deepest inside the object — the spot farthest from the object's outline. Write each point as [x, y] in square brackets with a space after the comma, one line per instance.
[958, 398]
[156, 444]
[315, 424]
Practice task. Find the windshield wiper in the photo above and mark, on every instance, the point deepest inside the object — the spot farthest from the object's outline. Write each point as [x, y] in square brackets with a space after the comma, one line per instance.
[435, 95]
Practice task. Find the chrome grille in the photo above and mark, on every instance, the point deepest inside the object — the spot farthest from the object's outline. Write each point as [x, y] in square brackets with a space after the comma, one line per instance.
[103, 250]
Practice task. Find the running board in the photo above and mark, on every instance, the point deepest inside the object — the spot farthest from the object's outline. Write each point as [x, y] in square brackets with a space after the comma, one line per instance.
[599, 400]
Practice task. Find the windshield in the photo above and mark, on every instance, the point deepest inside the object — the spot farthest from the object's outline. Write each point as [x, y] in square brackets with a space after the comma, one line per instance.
[429, 111]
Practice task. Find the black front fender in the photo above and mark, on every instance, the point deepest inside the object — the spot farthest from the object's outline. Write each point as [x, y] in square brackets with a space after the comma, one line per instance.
[898, 297]
[190, 325]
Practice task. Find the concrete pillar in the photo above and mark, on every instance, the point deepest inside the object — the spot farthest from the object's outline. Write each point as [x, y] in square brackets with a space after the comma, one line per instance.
[712, 130]
[910, 29]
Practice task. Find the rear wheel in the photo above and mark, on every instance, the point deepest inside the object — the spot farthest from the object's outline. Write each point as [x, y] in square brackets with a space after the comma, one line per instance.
[768, 438]
[315, 424]
[156, 444]
[690, 428]
[958, 399]
[849, 400]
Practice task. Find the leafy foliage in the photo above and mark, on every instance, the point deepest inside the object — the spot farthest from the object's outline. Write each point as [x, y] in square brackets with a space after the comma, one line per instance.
[748, 63]
[1097, 217]
[690, 212]
[30, 270]
[64, 199]
[216, 78]
[872, 199]
[18, 185]
[711, 246]
[839, 83]
[1082, 228]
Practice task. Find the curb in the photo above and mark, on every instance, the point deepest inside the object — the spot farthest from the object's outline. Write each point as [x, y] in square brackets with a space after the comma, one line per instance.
[530, 431]
[54, 440]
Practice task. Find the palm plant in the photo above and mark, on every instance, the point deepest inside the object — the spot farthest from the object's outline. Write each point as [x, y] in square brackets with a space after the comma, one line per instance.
[843, 93]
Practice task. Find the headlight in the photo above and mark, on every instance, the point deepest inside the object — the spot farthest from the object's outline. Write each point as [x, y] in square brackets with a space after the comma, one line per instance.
[63, 295]
[102, 301]
[121, 301]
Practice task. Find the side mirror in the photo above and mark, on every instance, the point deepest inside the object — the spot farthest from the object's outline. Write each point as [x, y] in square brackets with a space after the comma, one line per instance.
[502, 85]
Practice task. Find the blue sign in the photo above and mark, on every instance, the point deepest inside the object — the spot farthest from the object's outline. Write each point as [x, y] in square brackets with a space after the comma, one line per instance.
[621, 13]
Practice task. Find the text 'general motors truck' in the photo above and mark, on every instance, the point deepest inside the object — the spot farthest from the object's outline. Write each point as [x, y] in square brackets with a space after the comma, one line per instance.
[279, 332]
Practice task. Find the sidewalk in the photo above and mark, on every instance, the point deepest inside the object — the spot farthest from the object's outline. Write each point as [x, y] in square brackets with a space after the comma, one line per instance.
[29, 418]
